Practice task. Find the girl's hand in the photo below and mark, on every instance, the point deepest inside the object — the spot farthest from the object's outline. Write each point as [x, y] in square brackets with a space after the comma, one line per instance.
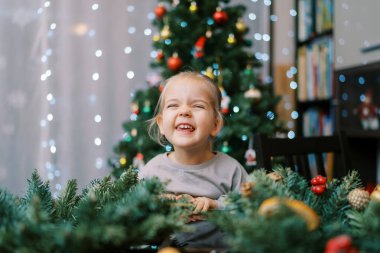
[203, 204]
[168, 196]
[186, 197]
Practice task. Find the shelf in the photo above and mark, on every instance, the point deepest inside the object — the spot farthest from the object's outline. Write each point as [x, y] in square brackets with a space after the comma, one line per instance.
[315, 103]
[358, 133]
[314, 37]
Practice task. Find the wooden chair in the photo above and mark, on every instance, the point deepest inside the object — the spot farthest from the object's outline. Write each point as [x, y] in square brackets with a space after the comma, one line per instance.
[299, 152]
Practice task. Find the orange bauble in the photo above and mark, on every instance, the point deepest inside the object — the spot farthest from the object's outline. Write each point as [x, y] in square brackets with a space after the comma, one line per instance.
[220, 16]
[271, 205]
[174, 63]
[160, 11]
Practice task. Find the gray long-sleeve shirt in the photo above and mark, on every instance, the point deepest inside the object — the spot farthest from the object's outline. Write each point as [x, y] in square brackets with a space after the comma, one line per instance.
[213, 179]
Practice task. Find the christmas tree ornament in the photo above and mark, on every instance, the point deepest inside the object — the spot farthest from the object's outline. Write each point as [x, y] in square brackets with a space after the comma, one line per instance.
[225, 147]
[253, 93]
[246, 189]
[270, 207]
[160, 11]
[275, 176]
[134, 132]
[165, 32]
[220, 16]
[375, 194]
[367, 112]
[210, 73]
[250, 154]
[161, 87]
[358, 199]
[193, 7]
[231, 40]
[340, 244]
[175, 3]
[225, 103]
[168, 250]
[199, 47]
[138, 161]
[174, 62]
[127, 137]
[160, 55]
[208, 33]
[146, 108]
[135, 108]
[240, 26]
[318, 180]
[156, 37]
[318, 184]
[123, 160]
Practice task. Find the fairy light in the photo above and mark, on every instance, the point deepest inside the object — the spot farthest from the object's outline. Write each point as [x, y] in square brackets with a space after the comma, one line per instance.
[48, 142]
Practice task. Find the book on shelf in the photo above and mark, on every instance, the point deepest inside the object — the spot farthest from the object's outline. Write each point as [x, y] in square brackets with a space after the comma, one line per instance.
[315, 70]
[324, 15]
[317, 122]
[305, 19]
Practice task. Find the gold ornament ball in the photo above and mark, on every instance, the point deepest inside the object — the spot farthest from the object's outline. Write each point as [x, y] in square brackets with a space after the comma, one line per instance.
[375, 195]
[231, 39]
[358, 198]
[123, 161]
[193, 7]
[240, 26]
[165, 33]
[156, 38]
[169, 250]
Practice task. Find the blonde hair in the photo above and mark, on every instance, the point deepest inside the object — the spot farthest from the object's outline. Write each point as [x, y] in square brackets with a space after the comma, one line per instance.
[214, 93]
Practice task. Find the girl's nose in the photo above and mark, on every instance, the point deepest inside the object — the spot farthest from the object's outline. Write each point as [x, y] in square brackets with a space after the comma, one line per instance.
[185, 112]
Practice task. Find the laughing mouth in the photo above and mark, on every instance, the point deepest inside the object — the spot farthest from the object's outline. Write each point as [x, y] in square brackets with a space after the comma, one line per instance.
[185, 127]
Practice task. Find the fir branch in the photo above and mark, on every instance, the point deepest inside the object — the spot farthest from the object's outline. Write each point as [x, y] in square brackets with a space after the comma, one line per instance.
[41, 190]
[336, 203]
[67, 201]
[9, 212]
[366, 227]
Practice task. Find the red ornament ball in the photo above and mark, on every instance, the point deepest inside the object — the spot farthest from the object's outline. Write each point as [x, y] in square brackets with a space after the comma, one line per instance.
[160, 11]
[160, 56]
[318, 189]
[174, 63]
[318, 180]
[225, 110]
[340, 243]
[318, 184]
[220, 16]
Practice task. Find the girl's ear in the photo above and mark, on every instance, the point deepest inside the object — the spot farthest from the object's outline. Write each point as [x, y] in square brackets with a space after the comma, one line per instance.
[160, 124]
[217, 127]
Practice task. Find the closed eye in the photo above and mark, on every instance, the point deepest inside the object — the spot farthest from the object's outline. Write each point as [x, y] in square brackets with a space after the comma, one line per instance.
[199, 106]
[171, 106]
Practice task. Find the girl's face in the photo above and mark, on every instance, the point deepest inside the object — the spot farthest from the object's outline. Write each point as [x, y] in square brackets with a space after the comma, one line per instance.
[187, 119]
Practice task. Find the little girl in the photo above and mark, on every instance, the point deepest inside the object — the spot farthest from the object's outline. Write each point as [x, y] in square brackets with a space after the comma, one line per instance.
[188, 117]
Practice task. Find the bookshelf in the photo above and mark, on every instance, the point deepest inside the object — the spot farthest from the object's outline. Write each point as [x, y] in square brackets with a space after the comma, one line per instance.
[334, 78]
[353, 86]
[315, 100]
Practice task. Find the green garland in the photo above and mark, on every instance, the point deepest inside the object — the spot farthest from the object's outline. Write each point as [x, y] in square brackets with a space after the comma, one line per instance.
[123, 214]
[287, 231]
[109, 216]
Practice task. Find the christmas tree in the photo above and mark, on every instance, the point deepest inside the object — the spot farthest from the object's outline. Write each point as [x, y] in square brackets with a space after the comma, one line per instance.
[209, 37]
